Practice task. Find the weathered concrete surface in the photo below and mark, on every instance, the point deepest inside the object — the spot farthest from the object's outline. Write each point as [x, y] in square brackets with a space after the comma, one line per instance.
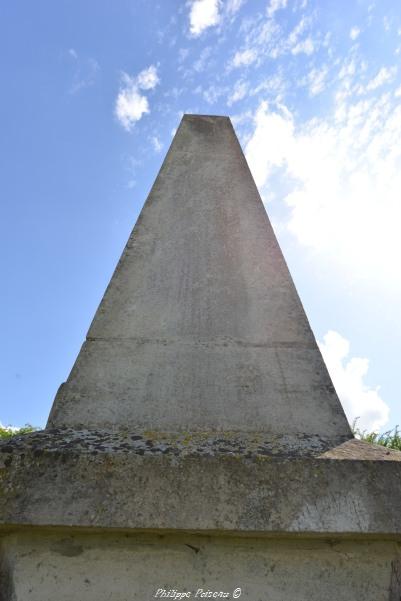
[62, 567]
[201, 327]
[200, 483]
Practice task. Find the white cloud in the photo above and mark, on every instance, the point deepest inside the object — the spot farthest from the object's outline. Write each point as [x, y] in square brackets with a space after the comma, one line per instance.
[343, 175]
[182, 54]
[244, 57]
[201, 63]
[358, 399]
[397, 93]
[203, 14]
[386, 23]
[306, 46]
[297, 31]
[131, 104]
[354, 33]
[86, 70]
[347, 69]
[276, 84]
[293, 43]
[385, 75]
[213, 93]
[233, 6]
[131, 166]
[157, 145]
[239, 92]
[274, 6]
[269, 144]
[148, 78]
[316, 80]
[264, 40]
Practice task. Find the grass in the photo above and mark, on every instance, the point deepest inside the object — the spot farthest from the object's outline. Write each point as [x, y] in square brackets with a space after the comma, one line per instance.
[8, 431]
[390, 439]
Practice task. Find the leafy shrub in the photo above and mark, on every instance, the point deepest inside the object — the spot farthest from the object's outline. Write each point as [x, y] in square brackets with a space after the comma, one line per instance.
[8, 431]
[390, 439]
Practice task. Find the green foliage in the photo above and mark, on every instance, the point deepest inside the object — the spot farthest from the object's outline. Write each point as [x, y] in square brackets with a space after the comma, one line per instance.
[390, 439]
[7, 431]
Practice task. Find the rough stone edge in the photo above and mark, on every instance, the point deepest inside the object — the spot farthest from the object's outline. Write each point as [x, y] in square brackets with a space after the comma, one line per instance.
[251, 494]
[182, 444]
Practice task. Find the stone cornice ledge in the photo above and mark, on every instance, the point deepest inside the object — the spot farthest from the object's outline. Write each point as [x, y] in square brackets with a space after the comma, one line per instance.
[201, 483]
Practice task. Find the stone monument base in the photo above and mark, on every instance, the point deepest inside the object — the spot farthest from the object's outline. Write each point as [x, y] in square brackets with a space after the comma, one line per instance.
[66, 565]
[97, 516]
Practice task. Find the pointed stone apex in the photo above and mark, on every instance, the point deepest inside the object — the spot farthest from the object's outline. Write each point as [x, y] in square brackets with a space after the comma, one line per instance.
[201, 328]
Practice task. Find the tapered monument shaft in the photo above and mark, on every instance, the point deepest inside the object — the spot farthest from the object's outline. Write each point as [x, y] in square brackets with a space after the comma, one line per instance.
[201, 327]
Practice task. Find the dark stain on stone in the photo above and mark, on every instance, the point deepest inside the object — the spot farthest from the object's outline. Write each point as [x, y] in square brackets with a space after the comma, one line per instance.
[395, 581]
[67, 548]
[6, 581]
[194, 549]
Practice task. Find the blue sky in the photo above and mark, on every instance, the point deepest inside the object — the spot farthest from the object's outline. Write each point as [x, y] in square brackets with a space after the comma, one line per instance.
[92, 94]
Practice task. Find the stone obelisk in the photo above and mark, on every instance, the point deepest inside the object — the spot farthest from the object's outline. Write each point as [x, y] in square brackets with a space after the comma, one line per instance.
[198, 448]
